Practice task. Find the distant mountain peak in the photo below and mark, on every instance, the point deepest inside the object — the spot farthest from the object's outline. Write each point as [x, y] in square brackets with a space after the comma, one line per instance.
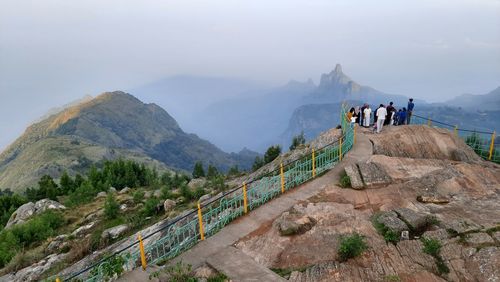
[337, 80]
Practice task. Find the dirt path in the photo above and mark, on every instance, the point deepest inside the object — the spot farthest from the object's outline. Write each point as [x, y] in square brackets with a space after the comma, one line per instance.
[218, 250]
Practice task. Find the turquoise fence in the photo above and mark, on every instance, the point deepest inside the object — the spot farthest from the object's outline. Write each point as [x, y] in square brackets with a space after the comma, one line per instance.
[482, 142]
[185, 232]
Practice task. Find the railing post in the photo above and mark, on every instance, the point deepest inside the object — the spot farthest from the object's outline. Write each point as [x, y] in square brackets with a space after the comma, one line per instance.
[282, 178]
[245, 206]
[143, 255]
[456, 130]
[340, 148]
[57, 279]
[314, 163]
[429, 122]
[492, 145]
[200, 221]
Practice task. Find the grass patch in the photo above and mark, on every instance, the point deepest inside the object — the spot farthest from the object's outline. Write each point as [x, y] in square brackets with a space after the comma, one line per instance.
[285, 272]
[345, 180]
[392, 278]
[351, 246]
[433, 248]
[389, 235]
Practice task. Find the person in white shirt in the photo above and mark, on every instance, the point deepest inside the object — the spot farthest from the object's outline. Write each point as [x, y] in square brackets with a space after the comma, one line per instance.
[367, 112]
[381, 113]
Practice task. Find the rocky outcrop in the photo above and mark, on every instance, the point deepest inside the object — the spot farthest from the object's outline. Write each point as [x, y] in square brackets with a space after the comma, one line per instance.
[293, 223]
[168, 205]
[114, 232]
[35, 271]
[30, 209]
[391, 221]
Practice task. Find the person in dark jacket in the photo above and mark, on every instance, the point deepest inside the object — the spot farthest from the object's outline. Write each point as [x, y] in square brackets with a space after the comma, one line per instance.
[390, 110]
[410, 110]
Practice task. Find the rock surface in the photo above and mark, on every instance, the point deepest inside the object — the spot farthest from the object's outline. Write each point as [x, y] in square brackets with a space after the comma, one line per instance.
[353, 172]
[30, 209]
[168, 205]
[115, 232]
[391, 221]
[35, 271]
[414, 220]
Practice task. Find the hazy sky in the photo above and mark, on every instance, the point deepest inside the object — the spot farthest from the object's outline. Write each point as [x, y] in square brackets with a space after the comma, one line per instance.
[52, 52]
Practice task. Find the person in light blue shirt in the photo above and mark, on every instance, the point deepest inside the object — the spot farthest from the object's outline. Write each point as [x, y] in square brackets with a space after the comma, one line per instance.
[409, 110]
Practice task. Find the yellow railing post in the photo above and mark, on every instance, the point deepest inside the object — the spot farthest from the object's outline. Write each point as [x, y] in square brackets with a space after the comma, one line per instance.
[314, 163]
[340, 148]
[282, 178]
[143, 255]
[429, 122]
[492, 145]
[456, 130]
[245, 205]
[200, 221]
[57, 279]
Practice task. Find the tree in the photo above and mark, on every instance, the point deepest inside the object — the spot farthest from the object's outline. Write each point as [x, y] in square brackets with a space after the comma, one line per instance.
[272, 153]
[258, 163]
[67, 184]
[198, 170]
[234, 170]
[212, 171]
[47, 189]
[297, 141]
[111, 207]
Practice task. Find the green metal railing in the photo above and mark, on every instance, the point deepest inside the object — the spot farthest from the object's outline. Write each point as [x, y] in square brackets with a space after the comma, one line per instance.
[184, 232]
[482, 142]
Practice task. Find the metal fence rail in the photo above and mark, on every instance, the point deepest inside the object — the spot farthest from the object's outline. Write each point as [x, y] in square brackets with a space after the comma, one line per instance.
[185, 232]
[482, 142]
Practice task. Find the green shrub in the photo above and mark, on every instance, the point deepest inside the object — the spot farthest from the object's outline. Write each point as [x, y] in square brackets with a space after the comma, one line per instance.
[198, 170]
[112, 266]
[138, 196]
[433, 248]
[179, 272]
[32, 232]
[345, 180]
[297, 141]
[389, 235]
[111, 207]
[221, 277]
[351, 246]
[150, 206]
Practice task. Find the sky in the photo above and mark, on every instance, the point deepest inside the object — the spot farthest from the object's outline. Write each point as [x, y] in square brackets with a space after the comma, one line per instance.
[56, 51]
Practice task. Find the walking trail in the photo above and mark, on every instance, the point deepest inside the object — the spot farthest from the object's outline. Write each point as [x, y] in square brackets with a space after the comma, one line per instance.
[218, 250]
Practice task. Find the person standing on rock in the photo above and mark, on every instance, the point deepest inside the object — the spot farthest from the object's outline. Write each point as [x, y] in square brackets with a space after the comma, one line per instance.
[409, 111]
[367, 113]
[361, 115]
[390, 111]
[381, 114]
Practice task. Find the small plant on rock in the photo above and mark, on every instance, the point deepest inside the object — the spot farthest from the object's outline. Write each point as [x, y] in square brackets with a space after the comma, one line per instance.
[111, 207]
[351, 246]
[433, 248]
[345, 180]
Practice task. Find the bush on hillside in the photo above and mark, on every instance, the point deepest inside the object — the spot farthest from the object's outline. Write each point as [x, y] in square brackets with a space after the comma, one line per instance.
[111, 207]
[198, 170]
[297, 141]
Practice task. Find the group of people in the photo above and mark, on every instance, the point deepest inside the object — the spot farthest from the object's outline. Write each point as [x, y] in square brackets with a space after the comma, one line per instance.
[383, 115]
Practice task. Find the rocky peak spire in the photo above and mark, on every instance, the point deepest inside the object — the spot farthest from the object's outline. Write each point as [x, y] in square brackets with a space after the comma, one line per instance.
[338, 69]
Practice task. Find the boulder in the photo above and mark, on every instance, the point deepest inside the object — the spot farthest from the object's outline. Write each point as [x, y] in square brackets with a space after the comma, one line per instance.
[204, 198]
[168, 205]
[374, 175]
[114, 232]
[123, 207]
[416, 221]
[112, 189]
[433, 199]
[57, 244]
[82, 230]
[353, 172]
[496, 236]
[439, 234]
[392, 222]
[35, 271]
[291, 223]
[197, 182]
[148, 194]
[101, 195]
[124, 190]
[478, 239]
[157, 193]
[460, 226]
[30, 209]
